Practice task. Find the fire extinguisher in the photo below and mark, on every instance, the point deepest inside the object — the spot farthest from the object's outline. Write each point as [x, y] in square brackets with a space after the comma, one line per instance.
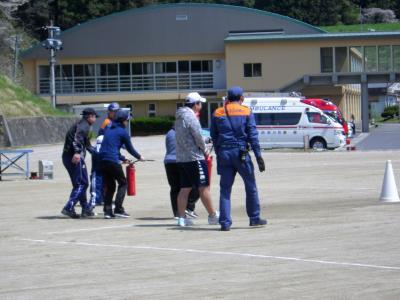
[131, 180]
[209, 161]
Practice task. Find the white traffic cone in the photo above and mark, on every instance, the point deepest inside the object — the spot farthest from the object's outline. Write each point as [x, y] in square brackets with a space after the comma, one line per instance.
[389, 189]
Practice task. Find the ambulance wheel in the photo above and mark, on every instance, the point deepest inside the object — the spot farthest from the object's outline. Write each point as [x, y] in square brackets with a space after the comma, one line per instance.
[318, 144]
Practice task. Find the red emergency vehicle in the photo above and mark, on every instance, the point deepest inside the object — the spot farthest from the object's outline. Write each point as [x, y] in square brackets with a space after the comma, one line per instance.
[330, 109]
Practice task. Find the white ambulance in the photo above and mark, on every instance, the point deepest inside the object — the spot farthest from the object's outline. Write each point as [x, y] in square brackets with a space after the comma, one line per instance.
[289, 123]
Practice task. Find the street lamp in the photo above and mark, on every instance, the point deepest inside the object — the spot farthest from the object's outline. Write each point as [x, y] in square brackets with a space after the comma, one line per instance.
[53, 44]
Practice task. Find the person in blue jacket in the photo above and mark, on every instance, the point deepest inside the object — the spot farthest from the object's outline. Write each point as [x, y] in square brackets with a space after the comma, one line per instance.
[114, 139]
[96, 177]
[232, 129]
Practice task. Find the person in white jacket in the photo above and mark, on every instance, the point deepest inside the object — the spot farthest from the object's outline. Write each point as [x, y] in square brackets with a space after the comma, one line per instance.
[190, 156]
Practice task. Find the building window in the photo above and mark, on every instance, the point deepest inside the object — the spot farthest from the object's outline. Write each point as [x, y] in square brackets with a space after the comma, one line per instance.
[165, 67]
[183, 66]
[370, 59]
[107, 77]
[151, 112]
[396, 58]
[129, 76]
[341, 60]
[384, 58]
[195, 66]
[124, 77]
[252, 70]
[326, 60]
[356, 61]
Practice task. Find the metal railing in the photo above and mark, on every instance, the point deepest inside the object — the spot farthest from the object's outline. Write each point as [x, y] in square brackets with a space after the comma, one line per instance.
[127, 83]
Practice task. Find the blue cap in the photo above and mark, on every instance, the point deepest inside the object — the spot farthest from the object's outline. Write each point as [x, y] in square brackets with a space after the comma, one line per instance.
[234, 93]
[122, 116]
[113, 106]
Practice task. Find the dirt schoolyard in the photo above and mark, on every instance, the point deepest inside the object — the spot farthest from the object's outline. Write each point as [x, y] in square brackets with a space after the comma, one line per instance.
[328, 236]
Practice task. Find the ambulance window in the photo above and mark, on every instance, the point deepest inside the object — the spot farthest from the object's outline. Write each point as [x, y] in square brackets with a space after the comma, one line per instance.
[314, 117]
[263, 119]
[277, 118]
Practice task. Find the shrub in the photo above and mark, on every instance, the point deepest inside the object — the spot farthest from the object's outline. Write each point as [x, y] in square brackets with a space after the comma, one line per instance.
[390, 111]
[149, 126]
[378, 15]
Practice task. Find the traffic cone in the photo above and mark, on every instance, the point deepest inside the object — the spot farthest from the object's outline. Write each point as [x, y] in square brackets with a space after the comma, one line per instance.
[389, 189]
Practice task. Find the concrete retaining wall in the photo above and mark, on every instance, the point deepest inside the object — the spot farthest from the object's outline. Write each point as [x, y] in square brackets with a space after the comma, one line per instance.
[38, 130]
[3, 133]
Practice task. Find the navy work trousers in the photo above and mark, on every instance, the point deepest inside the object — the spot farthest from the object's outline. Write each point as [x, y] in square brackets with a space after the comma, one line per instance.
[228, 164]
[79, 179]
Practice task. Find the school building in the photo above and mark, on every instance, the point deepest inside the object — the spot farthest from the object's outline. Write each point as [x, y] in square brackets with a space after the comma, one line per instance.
[150, 58]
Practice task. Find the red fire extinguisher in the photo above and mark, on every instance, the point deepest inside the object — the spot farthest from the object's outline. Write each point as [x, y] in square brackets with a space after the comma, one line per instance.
[209, 161]
[131, 180]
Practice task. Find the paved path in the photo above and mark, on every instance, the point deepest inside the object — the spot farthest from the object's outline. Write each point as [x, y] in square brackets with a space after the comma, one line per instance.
[328, 236]
[383, 137]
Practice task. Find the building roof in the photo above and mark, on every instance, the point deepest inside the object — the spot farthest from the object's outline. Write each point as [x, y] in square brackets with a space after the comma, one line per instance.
[169, 29]
[320, 36]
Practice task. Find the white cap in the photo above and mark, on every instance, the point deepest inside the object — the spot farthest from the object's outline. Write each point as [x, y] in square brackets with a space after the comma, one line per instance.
[194, 97]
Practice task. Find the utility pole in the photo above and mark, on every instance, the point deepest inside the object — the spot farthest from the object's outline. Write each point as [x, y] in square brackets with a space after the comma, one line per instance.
[52, 69]
[16, 54]
[53, 45]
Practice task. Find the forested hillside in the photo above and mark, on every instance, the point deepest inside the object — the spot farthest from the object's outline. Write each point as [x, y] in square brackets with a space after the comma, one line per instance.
[26, 18]
[66, 13]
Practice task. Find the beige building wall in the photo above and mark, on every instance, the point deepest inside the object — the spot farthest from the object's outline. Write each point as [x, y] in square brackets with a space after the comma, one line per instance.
[282, 62]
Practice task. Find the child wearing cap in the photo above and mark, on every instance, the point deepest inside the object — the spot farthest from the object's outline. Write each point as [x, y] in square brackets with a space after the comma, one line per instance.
[96, 177]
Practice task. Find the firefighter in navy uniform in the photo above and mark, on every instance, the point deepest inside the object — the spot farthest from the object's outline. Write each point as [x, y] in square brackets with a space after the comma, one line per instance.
[232, 130]
[73, 157]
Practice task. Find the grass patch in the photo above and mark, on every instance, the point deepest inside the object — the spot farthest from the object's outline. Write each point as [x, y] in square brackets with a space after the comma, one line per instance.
[392, 120]
[16, 101]
[365, 27]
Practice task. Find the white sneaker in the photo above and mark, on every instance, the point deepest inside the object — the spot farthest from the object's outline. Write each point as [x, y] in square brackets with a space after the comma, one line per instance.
[191, 214]
[214, 219]
[183, 222]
